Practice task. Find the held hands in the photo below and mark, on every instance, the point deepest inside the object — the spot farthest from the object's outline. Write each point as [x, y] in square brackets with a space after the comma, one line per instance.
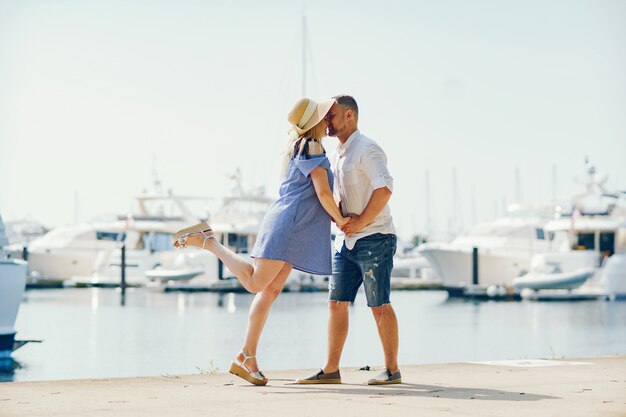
[342, 222]
[353, 226]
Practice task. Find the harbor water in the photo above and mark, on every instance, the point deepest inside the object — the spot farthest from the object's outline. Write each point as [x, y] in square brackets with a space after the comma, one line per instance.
[88, 333]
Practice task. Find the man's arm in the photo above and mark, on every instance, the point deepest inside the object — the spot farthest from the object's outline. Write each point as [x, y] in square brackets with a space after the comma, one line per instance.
[375, 205]
[375, 167]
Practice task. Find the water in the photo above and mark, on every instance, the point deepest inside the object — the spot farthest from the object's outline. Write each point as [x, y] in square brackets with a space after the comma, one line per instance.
[86, 333]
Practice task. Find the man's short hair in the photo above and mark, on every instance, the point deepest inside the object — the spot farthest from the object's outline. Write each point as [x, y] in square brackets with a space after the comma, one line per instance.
[349, 102]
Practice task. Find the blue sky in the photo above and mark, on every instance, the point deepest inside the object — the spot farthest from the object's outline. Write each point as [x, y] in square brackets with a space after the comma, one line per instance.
[92, 93]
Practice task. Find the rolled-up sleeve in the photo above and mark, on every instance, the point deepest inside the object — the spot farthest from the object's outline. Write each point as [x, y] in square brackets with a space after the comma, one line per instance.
[375, 167]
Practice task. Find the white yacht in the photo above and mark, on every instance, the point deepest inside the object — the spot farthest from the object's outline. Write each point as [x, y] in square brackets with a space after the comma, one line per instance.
[145, 238]
[12, 283]
[85, 249]
[69, 250]
[587, 254]
[591, 258]
[506, 246]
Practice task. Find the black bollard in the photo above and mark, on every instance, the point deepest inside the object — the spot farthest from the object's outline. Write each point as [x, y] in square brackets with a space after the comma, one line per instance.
[220, 264]
[123, 270]
[475, 266]
[25, 253]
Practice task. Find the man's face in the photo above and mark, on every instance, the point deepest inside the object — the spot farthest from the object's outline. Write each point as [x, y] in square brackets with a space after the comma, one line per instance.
[335, 120]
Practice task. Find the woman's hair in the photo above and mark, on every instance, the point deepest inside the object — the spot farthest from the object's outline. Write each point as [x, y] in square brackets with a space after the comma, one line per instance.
[317, 132]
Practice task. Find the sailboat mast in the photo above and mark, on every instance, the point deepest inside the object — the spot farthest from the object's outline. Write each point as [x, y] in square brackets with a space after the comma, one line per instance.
[303, 54]
[518, 185]
[554, 191]
[427, 201]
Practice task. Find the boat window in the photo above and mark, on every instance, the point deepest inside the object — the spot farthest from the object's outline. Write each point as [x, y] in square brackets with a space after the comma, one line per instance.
[113, 236]
[238, 243]
[586, 241]
[540, 234]
[607, 243]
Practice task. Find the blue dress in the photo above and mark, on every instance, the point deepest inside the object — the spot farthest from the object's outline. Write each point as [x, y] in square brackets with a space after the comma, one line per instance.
[296, 228]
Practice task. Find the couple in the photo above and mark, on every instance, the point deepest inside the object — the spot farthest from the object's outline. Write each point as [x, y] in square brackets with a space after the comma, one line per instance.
[295, 233]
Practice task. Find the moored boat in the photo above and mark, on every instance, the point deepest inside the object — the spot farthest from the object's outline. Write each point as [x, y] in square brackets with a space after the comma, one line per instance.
[12, 284]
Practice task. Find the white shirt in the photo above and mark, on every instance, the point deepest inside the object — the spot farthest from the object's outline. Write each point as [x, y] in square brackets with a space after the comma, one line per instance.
[360, 167]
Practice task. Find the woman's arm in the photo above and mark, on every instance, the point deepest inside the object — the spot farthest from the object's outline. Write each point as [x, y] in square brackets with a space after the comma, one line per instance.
[322, 189]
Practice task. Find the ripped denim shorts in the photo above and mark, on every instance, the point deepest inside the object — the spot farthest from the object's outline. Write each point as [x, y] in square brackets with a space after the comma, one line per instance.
[369, 262]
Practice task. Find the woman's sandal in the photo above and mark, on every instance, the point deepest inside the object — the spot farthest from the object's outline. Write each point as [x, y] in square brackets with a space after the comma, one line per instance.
[241, 370]
[180, 238]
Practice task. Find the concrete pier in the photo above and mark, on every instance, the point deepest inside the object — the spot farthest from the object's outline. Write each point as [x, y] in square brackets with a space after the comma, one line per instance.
[574, 387]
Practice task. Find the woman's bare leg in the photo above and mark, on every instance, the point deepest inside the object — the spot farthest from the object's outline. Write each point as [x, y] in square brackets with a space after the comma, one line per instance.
[259, 310]
[254, 277]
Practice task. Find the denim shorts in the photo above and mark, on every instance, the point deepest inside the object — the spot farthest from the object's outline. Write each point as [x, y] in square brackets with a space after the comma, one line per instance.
[369, 262]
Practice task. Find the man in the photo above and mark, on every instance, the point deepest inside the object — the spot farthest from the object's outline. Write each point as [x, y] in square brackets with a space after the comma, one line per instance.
[365, 247]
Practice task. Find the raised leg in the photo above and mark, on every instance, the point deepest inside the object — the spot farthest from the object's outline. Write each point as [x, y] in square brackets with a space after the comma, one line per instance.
[254, 277]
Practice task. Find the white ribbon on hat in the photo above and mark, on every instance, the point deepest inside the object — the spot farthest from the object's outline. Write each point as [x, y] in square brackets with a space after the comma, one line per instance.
[310, 108]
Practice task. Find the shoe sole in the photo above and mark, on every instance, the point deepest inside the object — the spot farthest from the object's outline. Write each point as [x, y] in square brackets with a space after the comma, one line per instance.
[318, 381]
[374, 382]
[242, 373]
[196, 228]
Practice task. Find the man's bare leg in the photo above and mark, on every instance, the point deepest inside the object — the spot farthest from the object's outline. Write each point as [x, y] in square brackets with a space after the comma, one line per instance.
[337, 334]
[387, 324]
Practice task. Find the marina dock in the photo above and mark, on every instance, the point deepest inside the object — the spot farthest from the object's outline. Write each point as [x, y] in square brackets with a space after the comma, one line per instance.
[567, 387]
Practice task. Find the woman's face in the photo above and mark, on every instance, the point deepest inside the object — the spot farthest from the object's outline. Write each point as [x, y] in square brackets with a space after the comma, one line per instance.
[319, 130]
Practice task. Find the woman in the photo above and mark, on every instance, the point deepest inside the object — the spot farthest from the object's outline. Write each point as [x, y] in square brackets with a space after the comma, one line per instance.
[295, 232]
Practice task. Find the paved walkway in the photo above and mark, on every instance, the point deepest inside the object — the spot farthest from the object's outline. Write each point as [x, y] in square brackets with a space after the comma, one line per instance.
[577, 387]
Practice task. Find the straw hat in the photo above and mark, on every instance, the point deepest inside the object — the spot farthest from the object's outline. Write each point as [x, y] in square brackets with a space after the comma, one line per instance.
[306, 113]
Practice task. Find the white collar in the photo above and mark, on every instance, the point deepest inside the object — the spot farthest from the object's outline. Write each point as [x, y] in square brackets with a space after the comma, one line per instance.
[342, 148]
